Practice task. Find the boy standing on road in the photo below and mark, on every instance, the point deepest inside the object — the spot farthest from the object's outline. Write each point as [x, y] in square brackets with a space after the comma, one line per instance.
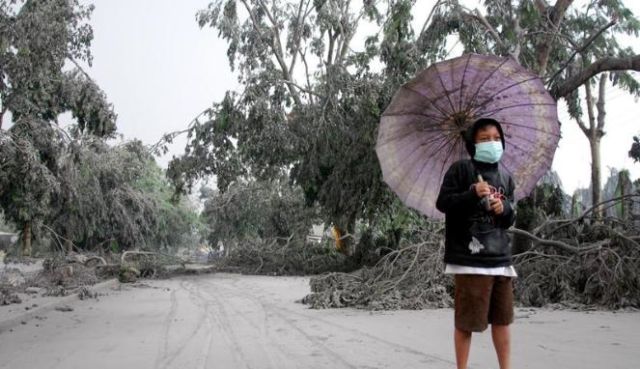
[476, 197]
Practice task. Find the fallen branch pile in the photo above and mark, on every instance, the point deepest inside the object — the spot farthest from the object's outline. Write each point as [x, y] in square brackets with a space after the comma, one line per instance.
[586, 261]
[281, 257]
[582, 261]
[408, 278]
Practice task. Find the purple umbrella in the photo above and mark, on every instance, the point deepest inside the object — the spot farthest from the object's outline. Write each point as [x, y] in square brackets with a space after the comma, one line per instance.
[420, 131]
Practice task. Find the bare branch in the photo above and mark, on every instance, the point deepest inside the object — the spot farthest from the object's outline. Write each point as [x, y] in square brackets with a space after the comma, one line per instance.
[558, 244]
[564, 222]
[602, 65]
[167, 137]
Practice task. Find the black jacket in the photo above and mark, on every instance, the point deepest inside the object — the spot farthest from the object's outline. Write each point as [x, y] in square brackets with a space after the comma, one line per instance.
[462, 208]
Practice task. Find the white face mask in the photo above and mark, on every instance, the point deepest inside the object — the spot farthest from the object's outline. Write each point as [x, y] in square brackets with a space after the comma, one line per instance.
[489, 152]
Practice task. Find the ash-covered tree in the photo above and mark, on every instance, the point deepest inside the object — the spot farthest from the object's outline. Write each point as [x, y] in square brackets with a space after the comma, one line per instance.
[117, 198]
[37, 39]
[310, 101]
[255, 210]
[311, 98]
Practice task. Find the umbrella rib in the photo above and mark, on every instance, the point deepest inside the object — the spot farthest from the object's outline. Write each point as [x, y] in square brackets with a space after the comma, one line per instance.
[464, 75]
[546, 155]
[444, 162]
[525, 138]
[475, 95]
[444, 113]
[425, 188]
[505, 89]
[531, 128]
[453, 109]
[492, 112]
[417, 114]
[418, 147]
[403, 136]
[446, 141]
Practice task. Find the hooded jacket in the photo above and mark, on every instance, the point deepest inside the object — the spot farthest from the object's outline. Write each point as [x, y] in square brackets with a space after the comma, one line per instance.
[463, 210]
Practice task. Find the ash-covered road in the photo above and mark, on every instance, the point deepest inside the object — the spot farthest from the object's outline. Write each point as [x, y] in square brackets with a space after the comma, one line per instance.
[232, 321]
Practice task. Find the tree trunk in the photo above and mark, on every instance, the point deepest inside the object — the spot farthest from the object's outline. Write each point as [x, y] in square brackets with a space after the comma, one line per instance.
[26, 239]
[68, 245]
[594, 134]
[596, 185]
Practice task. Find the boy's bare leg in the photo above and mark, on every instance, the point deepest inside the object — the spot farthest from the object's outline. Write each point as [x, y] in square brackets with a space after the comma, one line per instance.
[462, 341]
[502, 342]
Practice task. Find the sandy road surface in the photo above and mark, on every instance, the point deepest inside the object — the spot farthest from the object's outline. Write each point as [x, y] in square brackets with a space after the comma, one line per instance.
[232, 321]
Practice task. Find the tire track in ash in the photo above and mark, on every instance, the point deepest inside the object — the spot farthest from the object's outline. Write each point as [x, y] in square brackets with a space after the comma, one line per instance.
[426, 358]
[168, 356]
[225, 331]
[258, 332]
[336, 359]
[283, 354]
[254, 334]
[163, 349]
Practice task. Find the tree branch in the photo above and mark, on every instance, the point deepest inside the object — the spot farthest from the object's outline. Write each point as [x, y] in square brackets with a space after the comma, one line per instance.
[559, 244]
[602, 65]
[298, 36]
[496, 36]
[543, 49]
[349, 37]
[582, 126]
[306, 71]
[426, 22]
[276, 46]
[563, 222]
[600, 105]
[289, 83]
[582, 48]
[590, 113]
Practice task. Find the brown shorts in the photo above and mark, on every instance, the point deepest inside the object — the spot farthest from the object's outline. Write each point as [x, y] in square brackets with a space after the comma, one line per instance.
[481, 300]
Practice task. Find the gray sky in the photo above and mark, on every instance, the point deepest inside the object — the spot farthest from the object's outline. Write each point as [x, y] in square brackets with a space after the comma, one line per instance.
[160, 70]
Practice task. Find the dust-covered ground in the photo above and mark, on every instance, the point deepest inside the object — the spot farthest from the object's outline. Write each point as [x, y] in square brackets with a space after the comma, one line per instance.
[234, 321]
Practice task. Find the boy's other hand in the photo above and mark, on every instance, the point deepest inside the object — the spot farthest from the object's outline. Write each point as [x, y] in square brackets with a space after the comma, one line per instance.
[496, 205]
[482, 189]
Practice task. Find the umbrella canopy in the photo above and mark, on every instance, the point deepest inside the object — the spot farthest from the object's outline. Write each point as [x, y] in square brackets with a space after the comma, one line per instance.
[420, 133]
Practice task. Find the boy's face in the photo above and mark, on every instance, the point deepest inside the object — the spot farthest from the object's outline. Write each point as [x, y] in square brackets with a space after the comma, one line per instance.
[487, 134]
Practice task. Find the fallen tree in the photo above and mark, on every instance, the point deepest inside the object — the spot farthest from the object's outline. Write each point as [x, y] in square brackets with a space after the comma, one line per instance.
[584, 261]
[282, 256]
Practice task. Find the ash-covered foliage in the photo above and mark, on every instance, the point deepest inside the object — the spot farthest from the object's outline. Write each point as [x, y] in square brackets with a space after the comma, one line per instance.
[68, 185]
[578, 262]
[409, 278]
[283, 257]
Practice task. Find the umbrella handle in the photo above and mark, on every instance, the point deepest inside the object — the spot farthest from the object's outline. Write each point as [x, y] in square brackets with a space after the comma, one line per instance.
[480, 179]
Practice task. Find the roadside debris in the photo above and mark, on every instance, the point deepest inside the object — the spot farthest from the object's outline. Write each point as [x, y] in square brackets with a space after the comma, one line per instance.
[64, 308]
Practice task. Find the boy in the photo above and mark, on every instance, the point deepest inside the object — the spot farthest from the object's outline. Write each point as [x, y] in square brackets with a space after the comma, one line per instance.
[476, 197]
